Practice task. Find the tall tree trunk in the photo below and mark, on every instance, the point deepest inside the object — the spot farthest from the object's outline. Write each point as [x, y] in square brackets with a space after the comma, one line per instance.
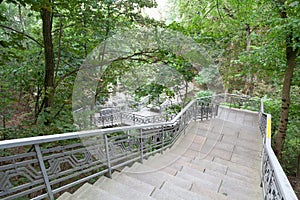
[249, 78]
[49, 57]
[291, 55]
[46, 15]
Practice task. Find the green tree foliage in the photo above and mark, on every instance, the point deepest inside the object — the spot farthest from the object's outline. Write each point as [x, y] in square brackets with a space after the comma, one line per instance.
[260, 40]
[43, 44]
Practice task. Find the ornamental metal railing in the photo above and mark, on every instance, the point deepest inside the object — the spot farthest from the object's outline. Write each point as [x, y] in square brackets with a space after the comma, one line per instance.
[114, 116]
[44, 166]
[274, 181]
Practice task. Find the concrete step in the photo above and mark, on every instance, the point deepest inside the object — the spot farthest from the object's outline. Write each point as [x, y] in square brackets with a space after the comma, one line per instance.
[155, 178]
[164, 195]
[239, 171]
[162, 160]
[115, 188]
[214, 186]
[237, 191]
[246, 161]
[134, 183]
[169, 163]
[90, 192]
[249, 153]
[173, 189]
[232, 185]
[66, 196]
[202, 176]
[211, 165]
[199, 189]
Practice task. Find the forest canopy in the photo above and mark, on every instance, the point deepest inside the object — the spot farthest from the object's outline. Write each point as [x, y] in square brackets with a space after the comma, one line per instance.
[253, 45]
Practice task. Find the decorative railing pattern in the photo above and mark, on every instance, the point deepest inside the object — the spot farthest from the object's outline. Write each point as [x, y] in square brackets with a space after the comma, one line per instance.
[42, 167]
[274, 181]
[110, 117]
[127, 118]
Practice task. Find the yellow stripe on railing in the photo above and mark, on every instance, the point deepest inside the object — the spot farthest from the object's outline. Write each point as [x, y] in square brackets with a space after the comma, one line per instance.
[269, 127]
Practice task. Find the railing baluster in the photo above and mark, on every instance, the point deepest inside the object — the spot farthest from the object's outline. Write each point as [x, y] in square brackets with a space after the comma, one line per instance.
[107, 155]
[217, 110]
[195, 111]
[207, 111]
[141, 145]
[202, 110]
[44, 171]
[162, 139]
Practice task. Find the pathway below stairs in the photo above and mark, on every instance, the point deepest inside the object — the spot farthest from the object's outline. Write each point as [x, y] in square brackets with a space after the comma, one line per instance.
[215, 159]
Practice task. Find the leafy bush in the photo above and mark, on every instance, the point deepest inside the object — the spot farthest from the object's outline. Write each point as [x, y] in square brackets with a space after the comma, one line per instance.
[205, 93]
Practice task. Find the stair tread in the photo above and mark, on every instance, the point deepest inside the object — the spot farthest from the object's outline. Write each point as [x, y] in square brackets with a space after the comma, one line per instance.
[236, 191]
[155, 177]
[90, 192]
[120, 190]
[213, 195]
[182, 193]
[65, 196]
[164, 195]
[133, 182]
[211, 165]
[214, 186]
[233, 180]
[200, 174]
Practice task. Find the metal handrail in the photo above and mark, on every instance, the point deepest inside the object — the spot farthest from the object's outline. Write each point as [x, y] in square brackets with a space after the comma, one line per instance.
[101, 151]
[274, 181]
[80, 134]
[98, 152]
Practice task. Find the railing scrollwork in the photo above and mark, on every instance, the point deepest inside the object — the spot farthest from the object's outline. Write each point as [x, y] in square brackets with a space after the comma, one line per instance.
[274, 181]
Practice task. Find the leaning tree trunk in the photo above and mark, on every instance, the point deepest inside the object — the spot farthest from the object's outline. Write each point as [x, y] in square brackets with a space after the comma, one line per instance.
[49, 59]
[291, 55]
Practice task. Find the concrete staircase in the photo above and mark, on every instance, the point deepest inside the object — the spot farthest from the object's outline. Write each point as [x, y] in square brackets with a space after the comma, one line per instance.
[216, 159]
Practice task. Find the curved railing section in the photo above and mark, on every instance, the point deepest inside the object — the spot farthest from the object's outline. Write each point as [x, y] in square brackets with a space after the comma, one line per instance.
[114, 116]
[45, 166]
[42, 167]
[274, 181]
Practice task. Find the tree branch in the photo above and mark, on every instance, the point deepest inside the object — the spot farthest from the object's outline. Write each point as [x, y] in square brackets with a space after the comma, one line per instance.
[19, 32]
[130, 57]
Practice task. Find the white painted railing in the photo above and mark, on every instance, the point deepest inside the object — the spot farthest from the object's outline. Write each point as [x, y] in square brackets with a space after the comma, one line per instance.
[274, 181]
[44, 166]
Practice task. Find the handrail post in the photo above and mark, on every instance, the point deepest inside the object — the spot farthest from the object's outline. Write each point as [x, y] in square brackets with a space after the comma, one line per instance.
[107, 155]
[261, 105]
[202, 110]
[217, 110]
[184, 122]
[162, 139]
[142, 146]
[195, 110]
[44, 172]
